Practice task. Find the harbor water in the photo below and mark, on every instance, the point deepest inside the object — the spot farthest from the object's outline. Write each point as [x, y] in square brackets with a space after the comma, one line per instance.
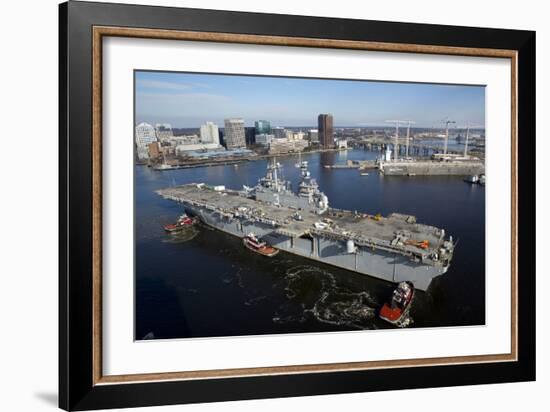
[204, 283]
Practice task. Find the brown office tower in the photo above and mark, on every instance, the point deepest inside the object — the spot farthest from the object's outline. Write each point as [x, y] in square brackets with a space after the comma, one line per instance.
[326, 135]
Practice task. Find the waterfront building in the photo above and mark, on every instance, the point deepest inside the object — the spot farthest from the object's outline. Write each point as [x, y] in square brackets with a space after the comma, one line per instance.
[142, 153]
[264, 139]
[184, 149]
[145, 134]
[219, 154]
[287, 145]
[314, 136]
[154, 150]
[342, 144]
[181, 140]
[326, 131]
[279, 132]
[163, 131]
[234, 133]
[298, 136]
[210, 133]
[262, 127]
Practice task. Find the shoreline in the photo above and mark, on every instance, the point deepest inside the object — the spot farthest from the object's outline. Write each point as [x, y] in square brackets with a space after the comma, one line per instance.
[235, 161]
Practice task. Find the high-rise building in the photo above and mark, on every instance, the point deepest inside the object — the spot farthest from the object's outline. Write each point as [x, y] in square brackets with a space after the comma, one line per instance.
[326, 132]
[234, 133]
[262, 127]
[250, 135]
[145, 134]
[210, 133]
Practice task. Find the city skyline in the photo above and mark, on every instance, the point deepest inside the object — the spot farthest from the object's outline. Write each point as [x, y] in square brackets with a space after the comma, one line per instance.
[188, 100]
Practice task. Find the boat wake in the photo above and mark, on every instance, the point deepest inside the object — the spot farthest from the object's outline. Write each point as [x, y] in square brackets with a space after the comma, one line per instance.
[182, 236]
[324, 299]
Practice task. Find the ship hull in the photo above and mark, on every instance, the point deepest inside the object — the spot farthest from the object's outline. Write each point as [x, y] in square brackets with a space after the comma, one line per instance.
[391, 267]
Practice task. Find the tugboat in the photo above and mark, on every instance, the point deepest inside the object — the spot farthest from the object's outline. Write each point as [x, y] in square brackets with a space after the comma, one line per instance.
[182, 221]
[254, 244]
[396, 312]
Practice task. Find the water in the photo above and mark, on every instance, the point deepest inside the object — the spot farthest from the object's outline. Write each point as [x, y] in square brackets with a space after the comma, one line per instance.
[204, 283]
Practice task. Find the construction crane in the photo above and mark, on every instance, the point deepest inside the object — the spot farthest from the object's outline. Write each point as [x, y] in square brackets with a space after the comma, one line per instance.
[447, 123]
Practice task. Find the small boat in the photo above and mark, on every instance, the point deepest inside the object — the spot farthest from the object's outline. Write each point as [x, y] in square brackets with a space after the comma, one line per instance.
[163, 166]
[364, 174]
[254, 244]
[181, 223]
[481, 180]
[473, 179]
[396, 312]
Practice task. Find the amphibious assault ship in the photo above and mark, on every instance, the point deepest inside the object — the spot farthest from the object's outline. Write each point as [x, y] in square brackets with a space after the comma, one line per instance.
[395, 248]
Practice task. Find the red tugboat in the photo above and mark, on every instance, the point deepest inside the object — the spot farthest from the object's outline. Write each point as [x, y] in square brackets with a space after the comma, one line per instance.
[397, 311]
[182, 221]
[255, 245]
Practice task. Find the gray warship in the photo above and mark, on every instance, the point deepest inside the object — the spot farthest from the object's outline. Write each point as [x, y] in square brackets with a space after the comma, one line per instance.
[394, 248]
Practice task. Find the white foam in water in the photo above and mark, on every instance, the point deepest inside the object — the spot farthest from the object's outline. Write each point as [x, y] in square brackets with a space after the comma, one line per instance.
[334, 304]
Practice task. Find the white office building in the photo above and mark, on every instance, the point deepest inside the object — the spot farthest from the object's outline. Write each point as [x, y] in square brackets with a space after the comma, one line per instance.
[145, 135]
[185, 149]
[285, 145]
[234, 133]
[342, 144]
[210, 133]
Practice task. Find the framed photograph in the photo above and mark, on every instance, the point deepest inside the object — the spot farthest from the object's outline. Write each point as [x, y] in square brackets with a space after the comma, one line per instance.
[257, 205]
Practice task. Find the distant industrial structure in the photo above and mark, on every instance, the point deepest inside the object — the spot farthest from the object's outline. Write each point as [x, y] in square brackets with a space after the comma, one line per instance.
[163, 131]
[234, 133]
[326, 130]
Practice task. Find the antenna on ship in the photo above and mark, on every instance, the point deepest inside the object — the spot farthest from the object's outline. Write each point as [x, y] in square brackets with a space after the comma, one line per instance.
[275, 173]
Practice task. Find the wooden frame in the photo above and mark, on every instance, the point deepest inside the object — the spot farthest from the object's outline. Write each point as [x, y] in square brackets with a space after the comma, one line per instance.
[82, 385]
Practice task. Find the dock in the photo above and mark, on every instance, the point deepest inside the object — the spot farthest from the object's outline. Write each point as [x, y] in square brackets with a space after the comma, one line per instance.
[432, 168]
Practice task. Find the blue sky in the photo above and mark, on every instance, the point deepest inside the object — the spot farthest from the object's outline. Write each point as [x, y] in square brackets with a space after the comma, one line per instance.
[188, 100]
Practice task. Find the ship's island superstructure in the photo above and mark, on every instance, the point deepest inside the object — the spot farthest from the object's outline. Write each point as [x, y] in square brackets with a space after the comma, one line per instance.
[394, 248]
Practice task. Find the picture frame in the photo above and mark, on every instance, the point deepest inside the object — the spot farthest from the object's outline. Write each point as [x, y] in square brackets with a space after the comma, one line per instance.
[82, 28]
